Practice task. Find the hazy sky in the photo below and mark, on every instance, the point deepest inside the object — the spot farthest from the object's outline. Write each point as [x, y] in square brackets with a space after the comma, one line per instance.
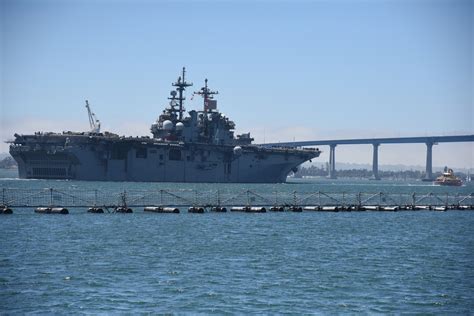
[285, 69]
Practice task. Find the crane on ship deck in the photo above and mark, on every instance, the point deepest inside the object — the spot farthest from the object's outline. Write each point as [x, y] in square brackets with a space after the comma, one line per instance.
[93, 120]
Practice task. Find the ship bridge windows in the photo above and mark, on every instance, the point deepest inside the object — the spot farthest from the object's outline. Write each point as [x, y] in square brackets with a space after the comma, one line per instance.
[174, 154]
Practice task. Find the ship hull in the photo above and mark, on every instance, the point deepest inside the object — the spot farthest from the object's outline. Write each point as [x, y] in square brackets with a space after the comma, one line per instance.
[132, 159]
[452, 183]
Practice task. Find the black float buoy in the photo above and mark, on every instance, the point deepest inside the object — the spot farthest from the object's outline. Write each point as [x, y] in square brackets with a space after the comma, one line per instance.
[219, 209]
[196, 209]
[277, 209]
[296, 209]
[95, 210]
[311, 208]
[249, 209]
[5, 210]
[161, 209]
[123, 209]
[51, 210]
[256, 209]
[330, 209]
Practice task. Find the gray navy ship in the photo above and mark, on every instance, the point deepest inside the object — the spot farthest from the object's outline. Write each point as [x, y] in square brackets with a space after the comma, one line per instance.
[198, 147]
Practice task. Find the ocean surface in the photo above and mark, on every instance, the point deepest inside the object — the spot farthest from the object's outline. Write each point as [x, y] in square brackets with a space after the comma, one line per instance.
[214, 263]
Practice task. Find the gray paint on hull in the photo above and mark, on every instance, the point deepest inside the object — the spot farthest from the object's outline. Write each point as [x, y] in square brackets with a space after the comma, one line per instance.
[88, 165]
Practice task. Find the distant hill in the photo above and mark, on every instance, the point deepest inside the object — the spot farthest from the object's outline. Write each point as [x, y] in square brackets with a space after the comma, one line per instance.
[8, 163]
[398, 167]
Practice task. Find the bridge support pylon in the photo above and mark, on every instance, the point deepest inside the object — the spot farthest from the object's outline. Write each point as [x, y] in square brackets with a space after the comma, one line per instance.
[375, 162]
[332, 161]
[429, 162]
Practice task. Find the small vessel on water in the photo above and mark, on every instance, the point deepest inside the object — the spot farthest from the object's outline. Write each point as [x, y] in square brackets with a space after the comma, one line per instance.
[198, 147]
[448, 178]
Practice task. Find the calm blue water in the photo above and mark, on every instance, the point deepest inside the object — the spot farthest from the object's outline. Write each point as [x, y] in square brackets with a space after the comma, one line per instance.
[421, 262]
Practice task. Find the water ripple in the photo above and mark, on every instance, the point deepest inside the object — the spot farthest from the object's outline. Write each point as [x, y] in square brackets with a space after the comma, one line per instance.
[237, 263]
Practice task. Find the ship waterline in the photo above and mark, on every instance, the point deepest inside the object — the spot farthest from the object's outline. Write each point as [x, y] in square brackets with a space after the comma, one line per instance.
[198, 148]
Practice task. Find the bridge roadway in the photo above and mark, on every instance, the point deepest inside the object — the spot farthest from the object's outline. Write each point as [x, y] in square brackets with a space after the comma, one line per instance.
[376, 142]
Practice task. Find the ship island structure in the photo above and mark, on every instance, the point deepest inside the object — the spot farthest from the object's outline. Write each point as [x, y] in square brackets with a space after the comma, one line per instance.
[199, 147]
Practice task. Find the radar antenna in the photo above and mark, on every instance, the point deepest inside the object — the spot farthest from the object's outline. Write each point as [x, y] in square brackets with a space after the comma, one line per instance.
[207, 95]
[181, 85]
[93, 121]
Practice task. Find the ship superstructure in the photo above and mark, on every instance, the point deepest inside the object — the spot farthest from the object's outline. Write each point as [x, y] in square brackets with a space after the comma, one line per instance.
[199, 147]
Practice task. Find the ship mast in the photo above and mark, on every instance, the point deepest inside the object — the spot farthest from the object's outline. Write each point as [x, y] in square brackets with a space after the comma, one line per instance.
[207, 94]
[181, 85]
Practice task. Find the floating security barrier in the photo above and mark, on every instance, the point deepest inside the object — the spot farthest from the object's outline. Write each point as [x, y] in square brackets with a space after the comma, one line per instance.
[277, 209]
[371, 207]
[256, 209]
[329, 209]
[355, 208]
[123, 209]
[95, 210]
[389, 208]
[296, 208]
[212, 200]
[161, 209]
[421, 207]
[249, 209]
[219, 209]
[196, 209]
[5, 210]
[51, 210]
[238, 209]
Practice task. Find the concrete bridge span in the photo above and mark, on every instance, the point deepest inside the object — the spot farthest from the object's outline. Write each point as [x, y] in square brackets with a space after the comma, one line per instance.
[429, 141]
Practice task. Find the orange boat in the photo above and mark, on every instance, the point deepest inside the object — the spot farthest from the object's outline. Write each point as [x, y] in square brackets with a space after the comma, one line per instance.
[448, 178]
